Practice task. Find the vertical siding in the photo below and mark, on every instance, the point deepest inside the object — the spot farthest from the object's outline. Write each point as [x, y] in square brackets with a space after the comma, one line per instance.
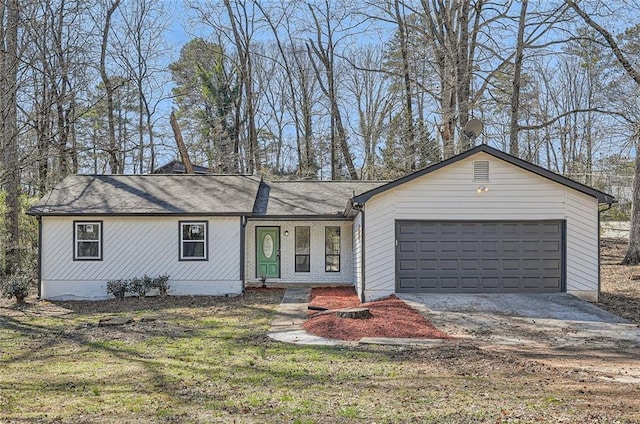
[135, 246]
[287, 252]
[450, 194]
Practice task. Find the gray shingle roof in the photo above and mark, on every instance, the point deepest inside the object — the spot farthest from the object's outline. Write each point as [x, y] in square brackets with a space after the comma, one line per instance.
[150, 194]
[197, 195]
[309, 198]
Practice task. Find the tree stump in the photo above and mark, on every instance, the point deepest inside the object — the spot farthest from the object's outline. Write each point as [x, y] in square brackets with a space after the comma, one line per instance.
[354, 313]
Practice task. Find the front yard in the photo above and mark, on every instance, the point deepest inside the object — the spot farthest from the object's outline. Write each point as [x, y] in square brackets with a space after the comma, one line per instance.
[209, 360]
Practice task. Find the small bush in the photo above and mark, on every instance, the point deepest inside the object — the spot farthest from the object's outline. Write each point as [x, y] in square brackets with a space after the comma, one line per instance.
[16, 286]
[161, 283]
[139, 286]
[118, 288]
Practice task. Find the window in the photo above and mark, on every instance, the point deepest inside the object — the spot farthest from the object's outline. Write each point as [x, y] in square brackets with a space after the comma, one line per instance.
[87, 240]
[193, 241]
[332, 249]
[303, 258]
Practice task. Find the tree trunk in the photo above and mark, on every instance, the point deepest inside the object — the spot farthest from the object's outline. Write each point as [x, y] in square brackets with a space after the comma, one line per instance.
[113, 149]
[406, 78]
[632, 257]
[517, 71]
[9, 126]
[241, 39]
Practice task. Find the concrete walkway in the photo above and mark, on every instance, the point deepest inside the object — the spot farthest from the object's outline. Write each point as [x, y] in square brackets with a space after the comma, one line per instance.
[287, 325]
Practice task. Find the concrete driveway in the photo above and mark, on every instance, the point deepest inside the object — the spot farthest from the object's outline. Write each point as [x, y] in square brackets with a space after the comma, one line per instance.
[557, 328]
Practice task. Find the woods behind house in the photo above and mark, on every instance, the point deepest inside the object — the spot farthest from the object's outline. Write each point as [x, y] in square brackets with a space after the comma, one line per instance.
[318, 89]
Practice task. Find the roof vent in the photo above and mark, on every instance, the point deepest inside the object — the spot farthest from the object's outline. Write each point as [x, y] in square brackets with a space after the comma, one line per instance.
[480, 170]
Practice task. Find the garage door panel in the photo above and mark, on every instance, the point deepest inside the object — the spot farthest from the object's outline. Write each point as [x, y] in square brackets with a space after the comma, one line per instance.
[551, 246]
[479, 256]
[408, 246]
[428, 265]
[550, 265]
[449, 282]
[470, 283]
[490, 283]
[428, 246]
[510, 264]
[408, 283]
[449, 246]
[470, 265]
[512, 246]
[489, 246]
[449, 265]
[510, 283]
[407, 264]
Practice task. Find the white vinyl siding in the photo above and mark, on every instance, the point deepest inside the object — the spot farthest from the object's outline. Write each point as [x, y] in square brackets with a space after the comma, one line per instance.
[317, 274]
[513, 194]
[357, 252]
[135, 246]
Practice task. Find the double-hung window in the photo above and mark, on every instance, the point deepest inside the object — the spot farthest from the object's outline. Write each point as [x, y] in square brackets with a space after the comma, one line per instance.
[87, 240]
[303, 241]
[193, 240]
[332, 249]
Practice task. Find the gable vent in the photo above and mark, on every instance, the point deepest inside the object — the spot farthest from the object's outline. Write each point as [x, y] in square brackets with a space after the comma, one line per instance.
[480, 170]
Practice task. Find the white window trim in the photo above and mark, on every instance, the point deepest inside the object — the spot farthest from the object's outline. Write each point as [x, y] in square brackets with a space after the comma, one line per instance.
[76, 240]
[181, 226]
[339, 254]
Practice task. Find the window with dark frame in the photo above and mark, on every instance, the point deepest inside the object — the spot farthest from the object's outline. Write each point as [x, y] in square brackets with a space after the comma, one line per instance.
[303, 246]
[87, 236]
[193, 240]
[332, 249]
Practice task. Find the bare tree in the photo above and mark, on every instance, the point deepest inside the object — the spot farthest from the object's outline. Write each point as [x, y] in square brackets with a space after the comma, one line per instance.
[109, 88]
[299, 81]
[322, 48]
[140, 46]
[632, 257]
[374, 103]
[241, 20]
[9, 63]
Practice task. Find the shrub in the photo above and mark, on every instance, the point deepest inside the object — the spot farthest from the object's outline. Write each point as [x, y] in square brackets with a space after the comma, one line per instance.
[161, 283]
[118, 288]
[16, 285]
[139, 286]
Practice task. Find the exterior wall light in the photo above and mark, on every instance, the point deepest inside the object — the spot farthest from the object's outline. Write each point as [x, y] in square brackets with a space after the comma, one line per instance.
[286, 233]
[482, 189]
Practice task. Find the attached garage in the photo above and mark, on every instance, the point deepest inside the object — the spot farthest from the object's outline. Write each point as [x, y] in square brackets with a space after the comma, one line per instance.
[480, 222]
[479, 256]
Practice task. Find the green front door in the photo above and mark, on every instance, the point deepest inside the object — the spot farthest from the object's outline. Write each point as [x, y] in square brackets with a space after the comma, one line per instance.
[268, 252]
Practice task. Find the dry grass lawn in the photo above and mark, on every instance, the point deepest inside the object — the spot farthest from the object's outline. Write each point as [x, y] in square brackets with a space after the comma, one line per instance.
[207, 360]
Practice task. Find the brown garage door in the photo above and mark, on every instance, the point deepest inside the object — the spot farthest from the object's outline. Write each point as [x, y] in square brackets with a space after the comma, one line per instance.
[476, 257]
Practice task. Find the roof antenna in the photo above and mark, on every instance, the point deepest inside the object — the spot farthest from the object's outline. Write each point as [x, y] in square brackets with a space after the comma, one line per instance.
[473, 128]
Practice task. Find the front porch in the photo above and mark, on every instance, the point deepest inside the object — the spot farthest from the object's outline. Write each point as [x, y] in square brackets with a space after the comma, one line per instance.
[299, 253]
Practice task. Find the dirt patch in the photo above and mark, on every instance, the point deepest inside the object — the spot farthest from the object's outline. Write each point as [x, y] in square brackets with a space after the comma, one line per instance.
[152, 316]
[391, 317]
[620, 292]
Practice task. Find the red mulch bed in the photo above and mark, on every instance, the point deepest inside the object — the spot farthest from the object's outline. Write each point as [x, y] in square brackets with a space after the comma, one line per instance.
[391, 318]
